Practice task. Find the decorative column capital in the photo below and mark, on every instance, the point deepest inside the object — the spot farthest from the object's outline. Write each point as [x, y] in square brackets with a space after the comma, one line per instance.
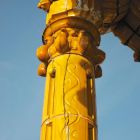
[70, 29]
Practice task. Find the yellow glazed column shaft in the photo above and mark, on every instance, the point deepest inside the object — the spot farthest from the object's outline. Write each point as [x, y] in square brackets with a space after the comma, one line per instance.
[71, 60]
[69, 102]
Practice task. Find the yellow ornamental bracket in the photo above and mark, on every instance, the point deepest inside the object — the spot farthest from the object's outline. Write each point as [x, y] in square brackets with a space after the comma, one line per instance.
[70, 61]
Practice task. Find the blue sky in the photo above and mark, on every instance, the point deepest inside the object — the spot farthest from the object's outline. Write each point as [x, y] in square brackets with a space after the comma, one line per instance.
[22, 91]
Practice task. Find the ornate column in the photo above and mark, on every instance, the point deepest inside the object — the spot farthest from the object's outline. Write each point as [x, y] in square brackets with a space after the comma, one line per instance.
[70, 61]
